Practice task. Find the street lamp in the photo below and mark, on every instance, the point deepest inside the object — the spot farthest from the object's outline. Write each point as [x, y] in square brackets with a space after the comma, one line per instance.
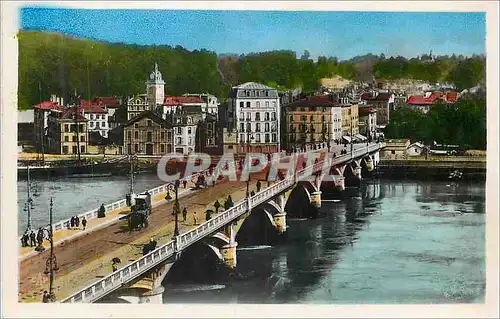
[28, 206]
[176, 210]
[51, 262]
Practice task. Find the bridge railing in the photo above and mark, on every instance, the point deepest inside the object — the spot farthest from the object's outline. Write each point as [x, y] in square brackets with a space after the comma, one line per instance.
[124, 275]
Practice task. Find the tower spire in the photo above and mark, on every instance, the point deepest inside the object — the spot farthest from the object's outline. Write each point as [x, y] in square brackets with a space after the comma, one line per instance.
[156, 67]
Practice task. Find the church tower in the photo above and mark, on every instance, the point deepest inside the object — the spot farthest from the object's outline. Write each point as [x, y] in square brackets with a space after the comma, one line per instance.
[155, 88]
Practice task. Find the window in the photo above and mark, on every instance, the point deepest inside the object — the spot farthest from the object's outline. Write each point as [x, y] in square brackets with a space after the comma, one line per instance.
[248, 104]
[66, 138]
[242, 127]
[242, 137]
[249, 127]
[257, 137]
[274, 103]
[267, 103]
[82, 128]
[267, 127]
[97, 124]
[241, 116]
[247, 93]
[257, 104]
[242, 104]
[149, 123]
[82, 149]
[66, 128]
[150, 136]
[257, 116]
[136, 147]
[162, 148]
[311, 118]
[179, 140]
[190, 141]
[136, 125]
[82, 138]
[267, 94]
[136, 135]
[65, 150]
[189, 130]
[274, 137]
[230, 147]
[129, 135]
[129, 148]
[393, 152]
[74, 149]
[179, 130]
[189, 120]
[257, 127]
[273, 116]
[73, 138]
[92, 116]
[267, 138]
[249, 116]
[267, 116]
[169, 136]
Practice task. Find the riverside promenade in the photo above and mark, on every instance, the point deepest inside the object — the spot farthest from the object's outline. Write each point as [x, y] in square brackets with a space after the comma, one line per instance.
[85, 256]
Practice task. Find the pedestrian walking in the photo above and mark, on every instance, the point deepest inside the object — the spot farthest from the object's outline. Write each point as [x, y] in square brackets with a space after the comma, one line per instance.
[46, 297]
[195, 219]
[32, 238]
[184, 214]
[72, 221]
[252, 193]
[24, 240]
[84, 223]
[216, 205]
[208, 216]
[39, 236]
[101, 213]
[258, 186]
[184, 183]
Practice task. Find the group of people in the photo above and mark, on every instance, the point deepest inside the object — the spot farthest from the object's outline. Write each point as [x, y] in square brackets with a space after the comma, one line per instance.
[32, 239]
[74, 222]
[149, 247]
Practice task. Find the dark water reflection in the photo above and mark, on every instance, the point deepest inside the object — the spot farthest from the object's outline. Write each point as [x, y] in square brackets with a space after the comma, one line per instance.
[388, 242]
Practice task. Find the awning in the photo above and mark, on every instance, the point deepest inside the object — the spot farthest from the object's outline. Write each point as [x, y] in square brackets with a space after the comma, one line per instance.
[360, 137]
[347, 138]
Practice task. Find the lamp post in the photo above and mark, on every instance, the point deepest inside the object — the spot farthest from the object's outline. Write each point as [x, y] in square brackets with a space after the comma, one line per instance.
[176, 210]
[51, 262]
[249, 138]
[29, 203]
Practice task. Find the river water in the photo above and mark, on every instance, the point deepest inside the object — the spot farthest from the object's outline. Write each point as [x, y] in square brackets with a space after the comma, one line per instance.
[385, 242]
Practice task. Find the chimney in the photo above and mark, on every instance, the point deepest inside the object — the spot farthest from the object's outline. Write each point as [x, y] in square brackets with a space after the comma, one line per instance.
[62, 102]
[53, 98]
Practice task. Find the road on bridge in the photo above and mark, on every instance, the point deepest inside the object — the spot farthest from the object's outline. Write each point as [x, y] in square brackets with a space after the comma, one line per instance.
[85, 258]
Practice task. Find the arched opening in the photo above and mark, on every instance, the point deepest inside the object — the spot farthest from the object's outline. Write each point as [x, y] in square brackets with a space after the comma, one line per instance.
[351, 180]
[257, 229]
[198, 264]
[299, 204]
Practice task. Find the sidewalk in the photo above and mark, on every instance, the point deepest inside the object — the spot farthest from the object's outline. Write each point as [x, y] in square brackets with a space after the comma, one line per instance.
[77, 278]
[66, 234]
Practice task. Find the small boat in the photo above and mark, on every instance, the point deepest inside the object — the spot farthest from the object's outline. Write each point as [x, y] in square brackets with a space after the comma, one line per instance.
[455, 175]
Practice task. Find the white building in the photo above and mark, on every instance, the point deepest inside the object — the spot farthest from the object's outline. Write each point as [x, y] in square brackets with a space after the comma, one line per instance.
[336, 122]
[185, 124]
[415, 149]
[253, 110]
[97, 119]
[136, 105]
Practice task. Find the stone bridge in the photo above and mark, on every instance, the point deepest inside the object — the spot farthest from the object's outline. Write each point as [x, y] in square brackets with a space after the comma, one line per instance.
[141, 280]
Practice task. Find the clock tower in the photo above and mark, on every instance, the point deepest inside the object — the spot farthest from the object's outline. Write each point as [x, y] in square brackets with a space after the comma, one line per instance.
[155, 88]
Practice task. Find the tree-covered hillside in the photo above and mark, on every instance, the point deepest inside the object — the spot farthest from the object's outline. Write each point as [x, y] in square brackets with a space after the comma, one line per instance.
[52, 63]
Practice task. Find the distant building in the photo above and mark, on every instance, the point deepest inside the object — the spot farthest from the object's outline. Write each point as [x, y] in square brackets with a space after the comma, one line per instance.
[368, 121]
[25, 127]
[253, 109]
[154, 97]
[311, 123]
[210, 102]
[395, 148]
[424, 103]
[97, 118]
[415, 149]
[173, 104]
[185, 124]
[383, 103]
[67, 131]
[113, 106]
[289, 96]
[41, 113]
[229, 141]
[136, 105]
[147, 134]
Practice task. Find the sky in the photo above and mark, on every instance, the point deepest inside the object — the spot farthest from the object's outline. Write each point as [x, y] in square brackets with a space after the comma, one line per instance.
[329, 33]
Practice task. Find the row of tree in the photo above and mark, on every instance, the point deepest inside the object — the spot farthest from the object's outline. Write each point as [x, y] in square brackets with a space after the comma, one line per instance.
[52, 63]
[462, 124]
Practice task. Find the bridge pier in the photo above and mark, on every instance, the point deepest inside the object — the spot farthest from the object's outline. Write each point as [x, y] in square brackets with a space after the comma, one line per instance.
[228, 253]
[339, 182]
[316, 199]
[154, 296]
[280, 222]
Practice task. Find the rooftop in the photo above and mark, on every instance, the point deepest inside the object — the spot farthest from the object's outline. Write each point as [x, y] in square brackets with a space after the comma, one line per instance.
[364, 110]
[253, 86]
[179, 100]
[48, 105]
[314, 101]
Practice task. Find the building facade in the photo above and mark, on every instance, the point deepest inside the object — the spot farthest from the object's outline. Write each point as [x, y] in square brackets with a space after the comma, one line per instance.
[147, 134]
[310, 123]
[97, 118]
[41, 113]
[368, 122]
[383, 103]
[185, 124]
[210, 102]
[253, 110]
[67, 132]
[155, 88]
[136, 105]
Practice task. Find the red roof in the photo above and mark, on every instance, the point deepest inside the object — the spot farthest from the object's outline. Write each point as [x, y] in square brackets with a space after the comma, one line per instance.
[422, 100]
[365, 110]
[179, 100]
[90, 107]
[108, 101]
[68, 113]
[383, 97]
[314, 101]
[451, 96]
[366, 96]
[48, 105]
